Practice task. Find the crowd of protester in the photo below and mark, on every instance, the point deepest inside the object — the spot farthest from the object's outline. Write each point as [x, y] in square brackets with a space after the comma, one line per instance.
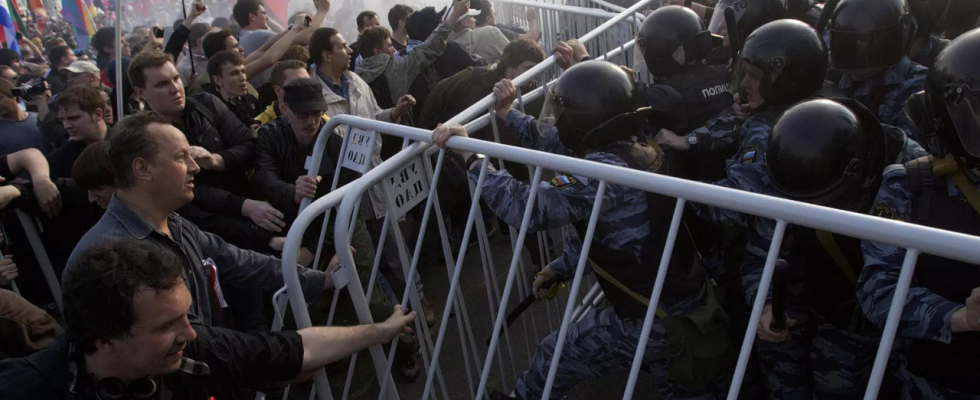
[164, 216]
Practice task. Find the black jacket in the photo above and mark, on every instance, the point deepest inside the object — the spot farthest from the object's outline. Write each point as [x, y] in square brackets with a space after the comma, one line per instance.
[207, 122]
[57, 81]
[216, 365]
[281, 159]
[245, 108]
[63, 158]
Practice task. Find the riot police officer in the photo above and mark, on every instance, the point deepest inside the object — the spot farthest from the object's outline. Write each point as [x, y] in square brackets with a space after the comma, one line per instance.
[942, 308]
[592, 112]
[749, 14]
[869, 41]
[687, 92]
[831, 154]
[929, 16]
[782, 63]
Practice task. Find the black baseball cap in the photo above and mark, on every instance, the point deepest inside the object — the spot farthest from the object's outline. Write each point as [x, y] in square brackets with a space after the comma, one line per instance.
[304, 95]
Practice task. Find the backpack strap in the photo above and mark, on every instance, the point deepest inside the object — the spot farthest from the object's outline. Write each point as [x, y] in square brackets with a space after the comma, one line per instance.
[922, 182]
[204, 109]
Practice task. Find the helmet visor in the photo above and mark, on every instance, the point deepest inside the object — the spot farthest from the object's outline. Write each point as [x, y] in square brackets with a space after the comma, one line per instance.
[963, 104]
[639, 56]
[553, 107]
[879, 48]
[751, 80]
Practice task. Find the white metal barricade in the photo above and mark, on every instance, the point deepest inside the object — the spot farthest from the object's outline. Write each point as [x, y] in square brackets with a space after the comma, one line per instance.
[493, 291]
[411, 170]
[913, 237]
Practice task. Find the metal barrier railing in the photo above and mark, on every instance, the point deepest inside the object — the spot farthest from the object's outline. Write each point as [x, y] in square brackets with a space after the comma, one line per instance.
[416, 155]
[356, 291]
[916, 238]
[570, 20]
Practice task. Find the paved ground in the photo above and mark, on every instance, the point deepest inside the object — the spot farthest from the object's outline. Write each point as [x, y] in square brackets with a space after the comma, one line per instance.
[515, 359]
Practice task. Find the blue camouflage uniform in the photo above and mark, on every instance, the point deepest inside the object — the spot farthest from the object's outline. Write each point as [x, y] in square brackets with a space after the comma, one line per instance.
[745, 171]
[601, 342]
[718, 135]
[927, 315]
[835, 361]
[886, 94]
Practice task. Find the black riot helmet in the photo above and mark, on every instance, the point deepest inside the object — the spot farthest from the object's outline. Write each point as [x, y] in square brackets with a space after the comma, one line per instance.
[750, 14]
[928, 14]
[797, 9]
[868, 34]
[953, 97]
[825, 153]
[592, 104]
[792, 59]
[672, 37]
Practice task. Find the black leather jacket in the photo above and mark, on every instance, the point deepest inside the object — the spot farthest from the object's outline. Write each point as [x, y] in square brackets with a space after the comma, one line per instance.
[207, 122]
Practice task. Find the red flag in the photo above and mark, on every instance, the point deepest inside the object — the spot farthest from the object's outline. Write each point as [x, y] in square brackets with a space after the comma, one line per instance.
[277, 10]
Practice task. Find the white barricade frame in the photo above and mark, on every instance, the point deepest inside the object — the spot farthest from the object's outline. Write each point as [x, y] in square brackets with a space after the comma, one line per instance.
[347, 199]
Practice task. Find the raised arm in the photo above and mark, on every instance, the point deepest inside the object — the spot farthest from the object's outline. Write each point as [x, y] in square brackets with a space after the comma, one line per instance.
[177, 40]
[255, 55]
[323, 345]
[271, 56]
[32, 161]
[322, 8]
[533, 32]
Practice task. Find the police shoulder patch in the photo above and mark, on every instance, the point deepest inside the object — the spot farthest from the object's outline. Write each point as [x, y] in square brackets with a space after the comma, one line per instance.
[563, 181]
[883, 210]
[750, 154]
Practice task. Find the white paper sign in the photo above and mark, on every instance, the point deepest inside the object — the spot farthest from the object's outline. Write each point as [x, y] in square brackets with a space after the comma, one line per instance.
[360, 149]
[407, 188]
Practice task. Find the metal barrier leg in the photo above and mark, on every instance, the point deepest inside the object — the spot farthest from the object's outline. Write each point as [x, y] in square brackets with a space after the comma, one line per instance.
[493, 299]
[42, 257]
[454, 281]
[491, 267]
[760, 302]
[891, 324]
[413, 296]
[512, 272]
[464, 321]
[576, 284]
[658, 287]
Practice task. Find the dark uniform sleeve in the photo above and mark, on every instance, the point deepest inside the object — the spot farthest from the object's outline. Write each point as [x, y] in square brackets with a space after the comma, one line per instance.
[892, 111]
[526, 128]
[926, 315]
[719, 135]
[563, 200]
[756, 251]
[253, 360]
[745, 172]
[663, 100]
